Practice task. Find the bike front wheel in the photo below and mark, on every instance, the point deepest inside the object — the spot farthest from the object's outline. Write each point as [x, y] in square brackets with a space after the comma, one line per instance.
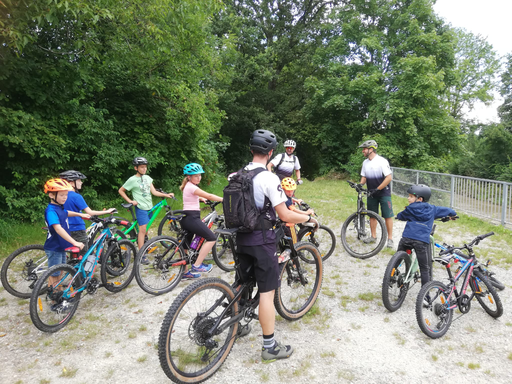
[168, 227]
[394, 285]
[300, 282]
[356, 235]
[156, 268]
[223, 254]
[22, 269]
[486, 294]
[188, 352]
[324, 239]
[53, 309]
[432, 309]
[117, 265]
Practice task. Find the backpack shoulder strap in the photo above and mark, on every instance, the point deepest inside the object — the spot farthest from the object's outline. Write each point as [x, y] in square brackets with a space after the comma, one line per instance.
[281, 161]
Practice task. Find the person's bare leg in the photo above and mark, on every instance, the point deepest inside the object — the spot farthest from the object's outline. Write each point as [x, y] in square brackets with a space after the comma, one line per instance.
[205, 249]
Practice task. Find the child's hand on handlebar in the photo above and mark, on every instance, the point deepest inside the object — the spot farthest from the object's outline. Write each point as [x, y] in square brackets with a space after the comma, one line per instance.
[170, 195]
[84, 216]
[79, 245]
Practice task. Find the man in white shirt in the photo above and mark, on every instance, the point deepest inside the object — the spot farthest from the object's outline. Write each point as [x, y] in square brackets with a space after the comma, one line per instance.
[376, 172]
[286, 163]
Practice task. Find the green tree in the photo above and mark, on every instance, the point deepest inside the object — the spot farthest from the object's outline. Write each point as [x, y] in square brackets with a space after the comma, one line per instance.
[505, 110]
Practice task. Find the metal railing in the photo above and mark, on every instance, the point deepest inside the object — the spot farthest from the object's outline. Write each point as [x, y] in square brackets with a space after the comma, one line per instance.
[488, 199]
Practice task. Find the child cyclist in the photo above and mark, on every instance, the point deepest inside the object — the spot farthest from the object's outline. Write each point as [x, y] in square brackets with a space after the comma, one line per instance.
[141, 187]
[192, 221]
[56, 217]
[76, 203]
[420, 217]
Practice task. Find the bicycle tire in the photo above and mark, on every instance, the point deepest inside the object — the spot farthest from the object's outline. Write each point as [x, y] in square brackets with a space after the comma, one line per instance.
[22, 268]
[490, 276]
[223, 254]
[434, 319]
[117, 266]
[298, 292]
[394, 288]
[168, 227]
[352, 238]
[485, 294]
[158, 276]
[181, 345]
[324, 239]
[48, 311]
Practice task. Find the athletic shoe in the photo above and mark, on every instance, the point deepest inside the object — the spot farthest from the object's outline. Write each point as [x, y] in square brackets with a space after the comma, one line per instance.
[243, 330]
[369, 240]
[190, 275]
[279, 351]
[203, 268]
[144, 260]
[390, 243]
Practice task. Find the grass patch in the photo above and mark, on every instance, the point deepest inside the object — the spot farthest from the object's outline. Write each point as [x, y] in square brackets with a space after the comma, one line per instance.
[368, 296]
[68, 372]
[473, 365]
[143, 328]
[142, 359]
[399, 338]
[434, 358]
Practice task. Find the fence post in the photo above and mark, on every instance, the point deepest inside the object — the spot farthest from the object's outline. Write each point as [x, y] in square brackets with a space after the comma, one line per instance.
[417, 177]
[504, 204]
[452, 191]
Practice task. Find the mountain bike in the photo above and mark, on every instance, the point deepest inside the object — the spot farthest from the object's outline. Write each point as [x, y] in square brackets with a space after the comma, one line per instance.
[323, 238]
[356, 234]
[160, 264]
[221, 252]
[201, 325]
[53, 305]
[436, 301]
[403, 271]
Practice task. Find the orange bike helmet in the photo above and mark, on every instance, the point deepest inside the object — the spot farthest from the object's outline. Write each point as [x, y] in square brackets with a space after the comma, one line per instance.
[57, 185]
[288, 184]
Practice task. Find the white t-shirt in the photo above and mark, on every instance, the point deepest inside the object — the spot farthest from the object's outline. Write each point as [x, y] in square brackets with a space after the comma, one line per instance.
[288, 165]
[266, 184]
[375, 171]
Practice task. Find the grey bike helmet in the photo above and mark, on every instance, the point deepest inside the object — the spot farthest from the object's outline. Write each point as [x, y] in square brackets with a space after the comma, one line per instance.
[420, 190]
[263, 141]
[72, 175]
[290, 143]
[140, 161]
[369, 144]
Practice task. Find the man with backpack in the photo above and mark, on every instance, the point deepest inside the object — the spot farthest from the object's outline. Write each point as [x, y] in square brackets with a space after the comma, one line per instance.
[256, 240]
[285, 163]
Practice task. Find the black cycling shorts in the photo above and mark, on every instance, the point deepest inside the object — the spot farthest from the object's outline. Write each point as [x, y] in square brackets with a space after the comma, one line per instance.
[265, 268]
[192, 223]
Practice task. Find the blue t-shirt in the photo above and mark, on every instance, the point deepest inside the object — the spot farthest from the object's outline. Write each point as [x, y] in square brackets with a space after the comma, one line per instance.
[55, 214]
[75, 203]
[288, 202]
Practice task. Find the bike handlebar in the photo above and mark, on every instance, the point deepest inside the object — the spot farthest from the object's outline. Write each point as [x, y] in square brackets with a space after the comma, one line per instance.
[468, 247]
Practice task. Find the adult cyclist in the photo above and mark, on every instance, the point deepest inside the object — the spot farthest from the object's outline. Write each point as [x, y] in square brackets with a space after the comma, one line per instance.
[286, 163]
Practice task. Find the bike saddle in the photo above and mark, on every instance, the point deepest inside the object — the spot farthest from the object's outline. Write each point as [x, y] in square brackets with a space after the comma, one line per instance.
[226, 231]
[127, 205]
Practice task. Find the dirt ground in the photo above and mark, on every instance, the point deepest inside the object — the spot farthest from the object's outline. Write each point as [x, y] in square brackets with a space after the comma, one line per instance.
[351, 338]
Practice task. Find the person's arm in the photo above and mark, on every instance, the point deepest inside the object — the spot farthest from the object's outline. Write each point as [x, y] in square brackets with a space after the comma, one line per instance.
[160, 194]
[443, 212]
[385, 182]
[122, 192]
[66, 236]
[82, 215]
[363, 180]
[269, 167]
[99, 213]
[297, 173]
[205, 195]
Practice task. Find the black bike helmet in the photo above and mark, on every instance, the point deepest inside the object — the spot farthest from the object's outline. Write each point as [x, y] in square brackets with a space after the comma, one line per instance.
[72, 175]
[263, 141]
[140, 161]
[420, 190]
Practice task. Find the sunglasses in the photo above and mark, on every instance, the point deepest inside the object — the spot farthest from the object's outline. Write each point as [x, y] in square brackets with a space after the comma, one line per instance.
[289, 148]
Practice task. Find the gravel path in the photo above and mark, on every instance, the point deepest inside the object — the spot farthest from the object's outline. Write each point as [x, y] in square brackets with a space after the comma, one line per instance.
[352, 338]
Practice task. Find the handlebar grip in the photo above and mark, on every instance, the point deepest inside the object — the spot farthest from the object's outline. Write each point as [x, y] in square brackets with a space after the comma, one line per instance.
[445, 252]
[486, 235]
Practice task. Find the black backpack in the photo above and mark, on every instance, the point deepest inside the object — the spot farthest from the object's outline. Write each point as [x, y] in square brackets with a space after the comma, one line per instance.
[240, 209]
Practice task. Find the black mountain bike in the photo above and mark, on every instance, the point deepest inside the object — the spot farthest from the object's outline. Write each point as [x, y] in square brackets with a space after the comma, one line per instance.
[202, 324]
[356, 235]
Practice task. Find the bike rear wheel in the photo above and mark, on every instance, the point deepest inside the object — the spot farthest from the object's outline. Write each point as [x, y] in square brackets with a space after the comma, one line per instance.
[300, 283]
[117, 265]
[486, 294]
[432, 313]
[154, 271]
[49, 311]
[22, 269]
[223, 254]
[324, 239]
[394, 287]
[188, 354]
[168, 227]
[356, 229]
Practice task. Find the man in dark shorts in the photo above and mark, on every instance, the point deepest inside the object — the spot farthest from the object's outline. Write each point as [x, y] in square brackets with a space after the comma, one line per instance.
[376, 172]
[257, 249]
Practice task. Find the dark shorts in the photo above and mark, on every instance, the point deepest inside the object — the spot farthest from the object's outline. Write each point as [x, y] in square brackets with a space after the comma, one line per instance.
[260, 261]
[385, 205]
[143, 216]
[192, 223]
[81, 236]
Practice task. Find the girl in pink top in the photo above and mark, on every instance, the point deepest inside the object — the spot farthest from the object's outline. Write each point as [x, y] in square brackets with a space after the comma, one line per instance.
[192, 221]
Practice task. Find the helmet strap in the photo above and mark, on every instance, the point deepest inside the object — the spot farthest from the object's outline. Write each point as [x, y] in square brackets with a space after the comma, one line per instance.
[54, 199]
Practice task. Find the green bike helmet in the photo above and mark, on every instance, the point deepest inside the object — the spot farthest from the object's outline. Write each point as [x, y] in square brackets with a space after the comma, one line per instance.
[192, 169]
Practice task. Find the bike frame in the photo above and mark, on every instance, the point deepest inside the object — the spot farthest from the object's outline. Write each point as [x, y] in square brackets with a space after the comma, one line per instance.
[415, 266]
[154, 212]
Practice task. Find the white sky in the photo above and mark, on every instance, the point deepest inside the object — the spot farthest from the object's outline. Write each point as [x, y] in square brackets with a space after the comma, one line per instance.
[489, 18]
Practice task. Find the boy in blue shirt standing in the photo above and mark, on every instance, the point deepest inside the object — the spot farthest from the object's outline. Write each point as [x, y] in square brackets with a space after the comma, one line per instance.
[420, 217]
[76, 203]
[56, 217]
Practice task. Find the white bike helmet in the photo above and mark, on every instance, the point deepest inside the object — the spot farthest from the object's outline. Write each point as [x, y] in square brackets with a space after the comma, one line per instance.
[290, 143]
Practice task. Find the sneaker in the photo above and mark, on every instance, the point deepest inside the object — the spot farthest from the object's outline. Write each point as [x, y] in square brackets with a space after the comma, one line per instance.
[144, 260]
[369, 240]
[390, 243]
[206, 268]
[191, 275]
[279, 351]
[243, 330]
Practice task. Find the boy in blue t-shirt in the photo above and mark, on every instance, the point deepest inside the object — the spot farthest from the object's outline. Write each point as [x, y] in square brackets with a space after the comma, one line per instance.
[76, 203]
[56, 217]
[420, 217]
